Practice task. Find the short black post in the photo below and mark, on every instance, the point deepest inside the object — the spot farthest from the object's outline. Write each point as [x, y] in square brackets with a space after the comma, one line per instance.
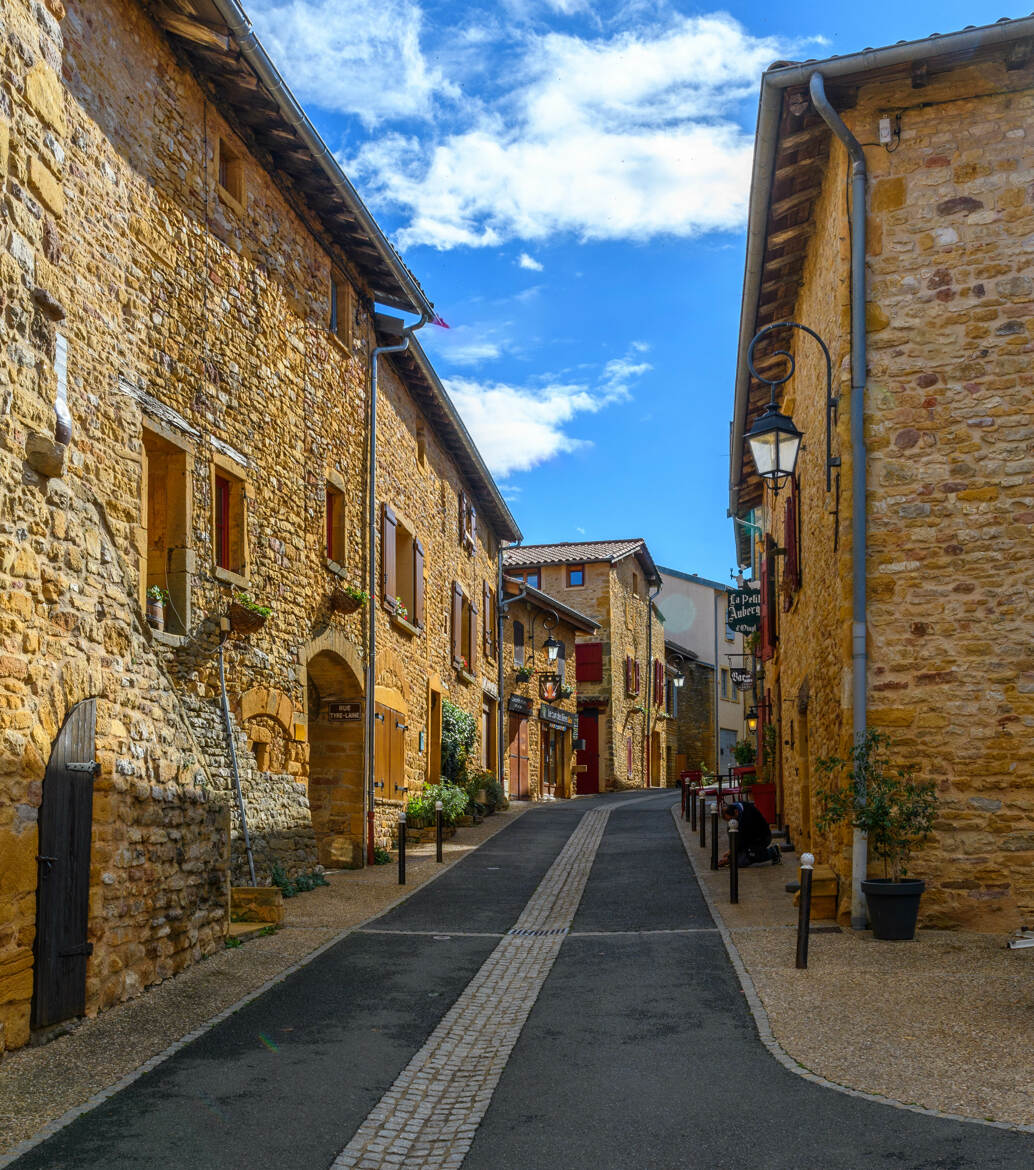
[804, 910]
[714, 839]
[439, 818]
[682, 785]
[734, 865]
[693, 812]
[703, 822]
[402, 848]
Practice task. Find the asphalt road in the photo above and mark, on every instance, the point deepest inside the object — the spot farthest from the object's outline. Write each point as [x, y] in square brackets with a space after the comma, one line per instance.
[639, 1052]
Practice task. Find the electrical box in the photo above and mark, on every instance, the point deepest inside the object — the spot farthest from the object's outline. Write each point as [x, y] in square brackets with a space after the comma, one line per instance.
[886, 133]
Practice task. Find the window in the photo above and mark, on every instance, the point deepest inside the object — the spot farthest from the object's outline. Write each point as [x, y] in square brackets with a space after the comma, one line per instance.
[635, 584]
[724, 683]
[464, 631]
[342, 310]
[421, 445]
[628, 755]
[468, 523]
[631, 675]
[530, 577]
[768, 607]
[791, 542]
[575, 576]
[588, 662]
[658, 682]
[518, 643]
[489, 619]
[402, 570]
[730, 633]
[561, 660]
[167, 561]
[230, 171]
[335, 533]
[230, 551]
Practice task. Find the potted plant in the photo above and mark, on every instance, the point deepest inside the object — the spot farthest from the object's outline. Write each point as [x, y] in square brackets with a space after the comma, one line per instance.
[896, 810]
[524, 674]
[246, 615]
[348, 598]
[566, 691]
[400, 609]
[156, 601]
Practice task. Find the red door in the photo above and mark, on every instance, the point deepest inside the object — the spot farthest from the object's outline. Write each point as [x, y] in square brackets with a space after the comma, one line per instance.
[589, 758]
[519, 785]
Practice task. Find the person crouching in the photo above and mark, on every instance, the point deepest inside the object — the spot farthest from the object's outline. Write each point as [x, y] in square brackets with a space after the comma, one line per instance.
[754, 840]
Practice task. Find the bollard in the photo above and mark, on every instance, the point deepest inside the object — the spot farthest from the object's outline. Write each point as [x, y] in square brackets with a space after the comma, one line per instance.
[714, 839]
[684, 785]
[734, 865]
[804, 910]
[703, 822]
[438, 825]
[693, 813]
[402, 848]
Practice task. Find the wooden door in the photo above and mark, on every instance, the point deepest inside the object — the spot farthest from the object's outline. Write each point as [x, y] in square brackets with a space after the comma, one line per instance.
[551, 751]
[389, 753]
[589, 756]
[63, 892]
[520, 782]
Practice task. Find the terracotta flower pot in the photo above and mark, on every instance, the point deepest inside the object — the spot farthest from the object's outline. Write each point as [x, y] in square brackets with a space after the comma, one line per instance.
[156, 614]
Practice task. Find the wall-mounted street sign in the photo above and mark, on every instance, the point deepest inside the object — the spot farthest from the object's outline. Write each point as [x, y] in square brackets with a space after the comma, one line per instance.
[556, 717]
[744, 679]
[345, 712]
[744, 614]
[521, 704]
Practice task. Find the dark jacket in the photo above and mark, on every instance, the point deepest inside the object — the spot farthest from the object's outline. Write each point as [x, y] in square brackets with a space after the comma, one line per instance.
[754, 830]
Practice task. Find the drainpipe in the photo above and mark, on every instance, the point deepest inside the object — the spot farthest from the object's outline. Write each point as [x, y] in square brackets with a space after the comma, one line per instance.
[371, 552]
[717, 690]
[500, 612]
[647, 746]
[859, 367]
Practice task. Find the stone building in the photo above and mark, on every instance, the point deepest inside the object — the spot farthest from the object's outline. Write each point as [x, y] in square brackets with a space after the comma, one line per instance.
[441, 520]
[540, 697]
[619, 670]
[921, 631]
[689, 704]
[694, 611]
[189, 284]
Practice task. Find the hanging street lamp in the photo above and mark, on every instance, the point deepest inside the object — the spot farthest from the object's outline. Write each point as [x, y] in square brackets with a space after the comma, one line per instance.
[752, 720]
[552, 648]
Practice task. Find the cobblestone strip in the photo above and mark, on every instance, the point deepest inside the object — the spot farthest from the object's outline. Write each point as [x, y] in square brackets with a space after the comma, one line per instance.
[429, 1115]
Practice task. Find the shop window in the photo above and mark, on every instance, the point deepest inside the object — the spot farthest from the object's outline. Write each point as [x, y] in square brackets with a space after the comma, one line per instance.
[575, 576]
[464, 630]
[229, 528]
[167, 559]
[518, 643]
[402, 570]
[335, 528]
[230, 170]
[342, 310]
[588, 662]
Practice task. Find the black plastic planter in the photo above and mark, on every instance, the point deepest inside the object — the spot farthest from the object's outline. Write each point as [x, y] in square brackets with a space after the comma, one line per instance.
[893, 907]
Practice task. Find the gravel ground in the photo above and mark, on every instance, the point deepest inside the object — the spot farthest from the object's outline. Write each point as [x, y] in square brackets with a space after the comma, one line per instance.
[943, 1022]
[38, 1085]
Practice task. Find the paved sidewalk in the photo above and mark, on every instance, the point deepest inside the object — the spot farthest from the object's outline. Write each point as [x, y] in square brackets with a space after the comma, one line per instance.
[942, 1022]
[38, 1085]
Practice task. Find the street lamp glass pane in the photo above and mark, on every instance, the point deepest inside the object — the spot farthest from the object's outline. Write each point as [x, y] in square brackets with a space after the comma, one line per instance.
[763, 448]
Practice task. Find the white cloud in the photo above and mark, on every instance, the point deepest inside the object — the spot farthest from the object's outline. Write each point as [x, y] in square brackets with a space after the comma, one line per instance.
[468, 345]
[365, 60]
[518, 427]
[529, 262]
[626, 136]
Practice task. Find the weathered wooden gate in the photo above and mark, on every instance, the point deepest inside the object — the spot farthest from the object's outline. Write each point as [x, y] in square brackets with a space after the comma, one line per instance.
[63, 891]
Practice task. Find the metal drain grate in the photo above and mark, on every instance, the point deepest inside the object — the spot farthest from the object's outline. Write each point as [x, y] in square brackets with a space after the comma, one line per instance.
[538, 933]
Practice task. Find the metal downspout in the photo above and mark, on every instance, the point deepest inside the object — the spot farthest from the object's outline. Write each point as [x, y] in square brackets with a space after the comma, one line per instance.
[717, 691]
[499, 617]
[228, 724]
[859, 366]
[371, 548]
[649, 686]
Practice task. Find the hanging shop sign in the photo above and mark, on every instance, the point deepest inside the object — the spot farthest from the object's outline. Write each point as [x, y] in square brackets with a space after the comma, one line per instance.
[549, 686]
[557, 718]
[521, 704]
[344, 712]
[744, 679]
[744, 612]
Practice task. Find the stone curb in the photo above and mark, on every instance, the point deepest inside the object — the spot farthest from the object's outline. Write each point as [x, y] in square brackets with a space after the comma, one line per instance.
[70, 1115]
[764, 1026]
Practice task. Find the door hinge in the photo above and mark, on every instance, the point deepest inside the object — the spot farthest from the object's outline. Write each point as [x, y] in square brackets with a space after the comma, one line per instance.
[91, 766]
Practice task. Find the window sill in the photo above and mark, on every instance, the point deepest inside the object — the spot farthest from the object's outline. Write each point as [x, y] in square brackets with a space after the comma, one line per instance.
[336, 569]
[231, 201]
[344, 346]
[229, 577]
[167, 639]
[465, 675]
[405, 626]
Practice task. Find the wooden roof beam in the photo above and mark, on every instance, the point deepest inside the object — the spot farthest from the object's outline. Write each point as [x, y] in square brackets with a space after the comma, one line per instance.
[782, 206]
[191, 29]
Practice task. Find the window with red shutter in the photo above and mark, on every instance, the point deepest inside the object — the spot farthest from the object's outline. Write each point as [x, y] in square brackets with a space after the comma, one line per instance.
[635, 691]
[791, 560]
[768, 614]
[418, 584]
[588, 662]
[628, 755]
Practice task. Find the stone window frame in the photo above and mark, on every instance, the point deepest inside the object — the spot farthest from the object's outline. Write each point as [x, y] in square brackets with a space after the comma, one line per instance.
[342, 309]
[189, 448]
[463, 632]
[229, 164]
[571, 570]
[393, 526]
[335, 533]
[223, 467]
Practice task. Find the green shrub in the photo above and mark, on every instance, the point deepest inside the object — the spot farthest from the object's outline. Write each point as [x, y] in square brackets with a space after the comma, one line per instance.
[459, 735]
[301, 883]
[422, 806]
[381, 856]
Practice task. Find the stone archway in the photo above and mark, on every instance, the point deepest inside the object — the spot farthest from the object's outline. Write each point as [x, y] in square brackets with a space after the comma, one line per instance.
[336, 725]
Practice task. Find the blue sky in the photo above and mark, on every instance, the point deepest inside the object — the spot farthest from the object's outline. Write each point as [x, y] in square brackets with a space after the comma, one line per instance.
[569, 182]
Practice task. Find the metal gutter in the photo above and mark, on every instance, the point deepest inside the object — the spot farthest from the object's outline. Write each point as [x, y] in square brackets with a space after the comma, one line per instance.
[773, 83]
[252, 51]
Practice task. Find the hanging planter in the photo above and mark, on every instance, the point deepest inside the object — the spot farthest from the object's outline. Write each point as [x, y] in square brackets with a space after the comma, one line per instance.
[246, 615]
[348, 599]
[524, 674]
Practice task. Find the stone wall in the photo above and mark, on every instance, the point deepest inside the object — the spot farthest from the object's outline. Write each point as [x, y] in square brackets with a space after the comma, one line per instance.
[691, 731]
[948, 424]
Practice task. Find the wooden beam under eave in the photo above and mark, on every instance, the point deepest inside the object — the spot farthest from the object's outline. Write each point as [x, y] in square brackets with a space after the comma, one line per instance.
[782, 206]
[796, 170]
[796, 231]
[786, 261]
[190, 30]
[802, 137]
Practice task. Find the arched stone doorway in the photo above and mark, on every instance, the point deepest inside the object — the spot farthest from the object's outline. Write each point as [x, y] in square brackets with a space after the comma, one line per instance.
[335, 716]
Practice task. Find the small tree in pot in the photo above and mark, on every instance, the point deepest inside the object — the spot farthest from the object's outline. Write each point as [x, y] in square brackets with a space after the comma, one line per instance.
[896, 810]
